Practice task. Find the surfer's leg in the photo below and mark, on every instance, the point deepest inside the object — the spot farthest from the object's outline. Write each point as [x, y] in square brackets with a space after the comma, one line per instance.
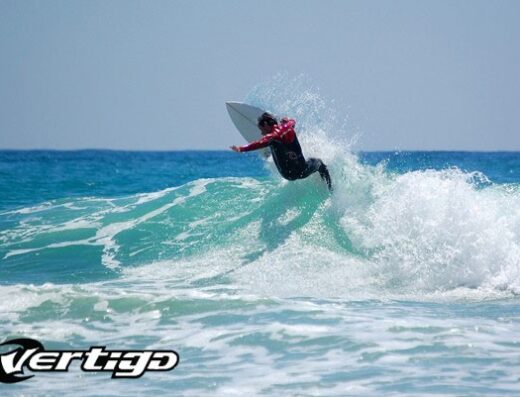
[314, 165]
[324, 173]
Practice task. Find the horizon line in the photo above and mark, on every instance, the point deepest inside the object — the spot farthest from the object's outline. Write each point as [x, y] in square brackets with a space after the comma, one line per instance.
[227, 150]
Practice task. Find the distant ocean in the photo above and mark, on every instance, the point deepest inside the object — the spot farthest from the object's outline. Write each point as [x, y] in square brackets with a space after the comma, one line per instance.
[403, 282]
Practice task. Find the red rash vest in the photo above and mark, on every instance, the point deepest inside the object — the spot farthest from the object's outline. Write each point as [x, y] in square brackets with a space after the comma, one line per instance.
[283, 133]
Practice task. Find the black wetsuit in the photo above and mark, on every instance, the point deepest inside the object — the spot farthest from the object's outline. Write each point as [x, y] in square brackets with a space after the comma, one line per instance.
[291, 164]
[287, 153]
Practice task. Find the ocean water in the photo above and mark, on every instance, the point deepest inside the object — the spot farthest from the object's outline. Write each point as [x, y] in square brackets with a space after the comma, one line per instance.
[403, 282]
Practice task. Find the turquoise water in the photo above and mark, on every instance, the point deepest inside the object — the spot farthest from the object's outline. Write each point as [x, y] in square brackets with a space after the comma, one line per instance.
[404, 281]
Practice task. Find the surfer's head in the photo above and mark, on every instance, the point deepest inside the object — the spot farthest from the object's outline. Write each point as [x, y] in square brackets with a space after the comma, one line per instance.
[266, 122]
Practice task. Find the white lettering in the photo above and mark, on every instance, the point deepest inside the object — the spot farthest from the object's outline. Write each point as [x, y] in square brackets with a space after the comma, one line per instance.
[155, 362]
[93, 355]
[10, 366]
[128, 367]
[43, 361]
[66, 358]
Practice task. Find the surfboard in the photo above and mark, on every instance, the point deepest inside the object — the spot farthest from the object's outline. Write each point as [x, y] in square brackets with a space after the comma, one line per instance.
[245, 118]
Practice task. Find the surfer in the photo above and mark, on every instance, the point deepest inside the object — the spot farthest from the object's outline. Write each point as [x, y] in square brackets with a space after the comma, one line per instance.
[285, 148]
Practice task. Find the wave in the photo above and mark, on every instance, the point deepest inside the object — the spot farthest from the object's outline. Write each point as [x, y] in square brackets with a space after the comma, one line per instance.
[414, 233]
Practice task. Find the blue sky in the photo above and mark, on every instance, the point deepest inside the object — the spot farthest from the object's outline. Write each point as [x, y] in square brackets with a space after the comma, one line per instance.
[144, 75]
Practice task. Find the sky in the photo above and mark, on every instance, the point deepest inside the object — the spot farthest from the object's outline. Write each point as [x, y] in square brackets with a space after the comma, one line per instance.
[154, 75]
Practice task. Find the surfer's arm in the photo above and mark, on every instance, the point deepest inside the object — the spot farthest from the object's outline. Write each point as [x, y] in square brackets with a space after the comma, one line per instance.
[261, 143]
[284, 133]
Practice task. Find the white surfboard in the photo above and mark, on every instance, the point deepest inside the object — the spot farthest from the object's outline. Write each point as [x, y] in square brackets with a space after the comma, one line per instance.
[245, 117]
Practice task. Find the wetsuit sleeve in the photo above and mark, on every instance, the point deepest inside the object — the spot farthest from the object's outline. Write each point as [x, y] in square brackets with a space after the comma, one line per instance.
[283, 133]
[261, 143]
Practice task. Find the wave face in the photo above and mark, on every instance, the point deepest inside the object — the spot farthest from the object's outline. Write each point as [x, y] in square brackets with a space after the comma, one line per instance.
[419, 232]
[404, 281]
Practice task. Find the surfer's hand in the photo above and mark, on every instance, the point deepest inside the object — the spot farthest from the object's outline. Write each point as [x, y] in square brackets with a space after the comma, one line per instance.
[235, 148]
